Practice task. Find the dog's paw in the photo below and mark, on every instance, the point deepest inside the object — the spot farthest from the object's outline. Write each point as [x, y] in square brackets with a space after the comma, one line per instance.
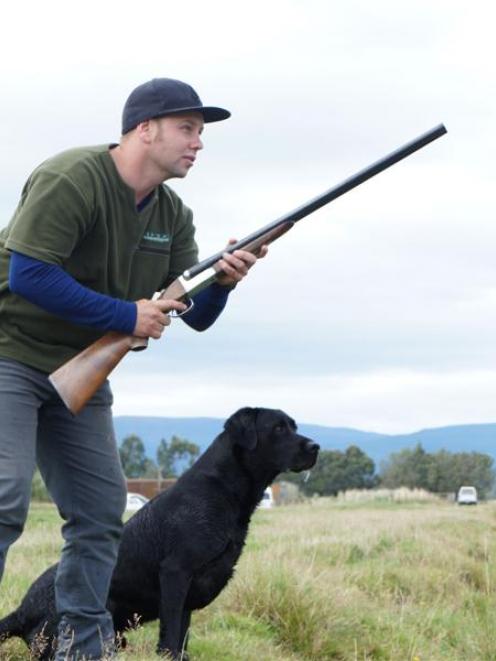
[120, 641]
[169, 655]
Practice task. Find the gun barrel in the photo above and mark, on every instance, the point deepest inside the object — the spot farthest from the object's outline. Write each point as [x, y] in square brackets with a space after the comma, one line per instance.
[327, 196]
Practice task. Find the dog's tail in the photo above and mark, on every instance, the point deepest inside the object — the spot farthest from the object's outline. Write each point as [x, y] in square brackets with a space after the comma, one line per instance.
[10, 626]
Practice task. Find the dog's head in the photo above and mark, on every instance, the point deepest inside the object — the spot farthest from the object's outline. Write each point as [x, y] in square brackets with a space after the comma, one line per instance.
[270, 439]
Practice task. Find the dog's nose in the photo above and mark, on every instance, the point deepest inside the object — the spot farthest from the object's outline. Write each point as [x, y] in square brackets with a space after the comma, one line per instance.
[313, 447]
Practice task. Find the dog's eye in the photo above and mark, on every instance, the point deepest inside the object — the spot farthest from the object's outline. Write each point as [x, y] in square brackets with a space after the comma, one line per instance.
[280, 428]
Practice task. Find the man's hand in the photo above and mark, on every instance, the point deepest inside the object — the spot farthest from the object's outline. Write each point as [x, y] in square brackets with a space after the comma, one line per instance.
[235, 266]
[152, 316]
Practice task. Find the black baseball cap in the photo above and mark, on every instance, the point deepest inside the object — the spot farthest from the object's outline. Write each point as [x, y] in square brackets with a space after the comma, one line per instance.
[165, 96]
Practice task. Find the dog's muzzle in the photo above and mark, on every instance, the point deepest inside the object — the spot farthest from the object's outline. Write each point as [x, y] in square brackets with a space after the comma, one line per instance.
[307, 456]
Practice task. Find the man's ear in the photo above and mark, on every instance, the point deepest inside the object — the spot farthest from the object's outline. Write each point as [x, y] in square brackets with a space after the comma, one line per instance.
[146, 131]
[242, 429]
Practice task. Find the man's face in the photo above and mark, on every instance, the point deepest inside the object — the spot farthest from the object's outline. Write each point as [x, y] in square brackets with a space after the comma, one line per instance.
[175, 142]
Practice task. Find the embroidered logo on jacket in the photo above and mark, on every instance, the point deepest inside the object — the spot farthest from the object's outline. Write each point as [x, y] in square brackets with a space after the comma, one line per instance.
[156, 237]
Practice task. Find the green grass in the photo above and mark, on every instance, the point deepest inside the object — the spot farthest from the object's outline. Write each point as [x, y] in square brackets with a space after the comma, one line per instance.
[327, 580]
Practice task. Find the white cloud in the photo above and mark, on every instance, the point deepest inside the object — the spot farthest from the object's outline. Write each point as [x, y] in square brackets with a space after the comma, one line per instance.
[395, 401]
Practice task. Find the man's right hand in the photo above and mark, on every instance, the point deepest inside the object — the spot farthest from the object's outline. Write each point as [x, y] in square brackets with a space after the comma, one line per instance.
[152, 317]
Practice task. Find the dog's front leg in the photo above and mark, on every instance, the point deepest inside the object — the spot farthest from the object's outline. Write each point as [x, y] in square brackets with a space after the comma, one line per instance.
[174, 586]
[186, 619]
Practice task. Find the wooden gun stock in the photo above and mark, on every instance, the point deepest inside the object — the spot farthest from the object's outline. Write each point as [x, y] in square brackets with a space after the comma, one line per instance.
[77, 380]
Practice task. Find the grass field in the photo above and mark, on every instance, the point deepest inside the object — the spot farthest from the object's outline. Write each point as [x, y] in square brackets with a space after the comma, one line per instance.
[327, 580]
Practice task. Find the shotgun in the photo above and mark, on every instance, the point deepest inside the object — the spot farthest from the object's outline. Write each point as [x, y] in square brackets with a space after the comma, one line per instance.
[77, 380]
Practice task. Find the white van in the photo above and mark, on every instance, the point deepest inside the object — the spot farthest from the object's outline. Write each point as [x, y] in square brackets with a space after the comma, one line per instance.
[467, 496]
[267, 499]
[135, 502]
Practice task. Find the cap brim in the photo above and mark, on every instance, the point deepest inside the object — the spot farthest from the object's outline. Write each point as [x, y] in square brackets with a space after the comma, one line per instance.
[210, 113]
[213, 114]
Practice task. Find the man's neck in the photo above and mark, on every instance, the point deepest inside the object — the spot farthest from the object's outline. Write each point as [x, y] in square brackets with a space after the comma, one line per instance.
[132, 172]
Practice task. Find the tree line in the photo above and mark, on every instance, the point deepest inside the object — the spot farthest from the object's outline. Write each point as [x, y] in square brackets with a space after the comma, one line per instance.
[440, 472]
[171, 459]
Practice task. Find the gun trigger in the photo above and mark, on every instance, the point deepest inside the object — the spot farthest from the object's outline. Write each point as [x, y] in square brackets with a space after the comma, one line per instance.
[189, 302]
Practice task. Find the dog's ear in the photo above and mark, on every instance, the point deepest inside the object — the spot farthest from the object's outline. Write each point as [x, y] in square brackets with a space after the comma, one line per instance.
[242, 429]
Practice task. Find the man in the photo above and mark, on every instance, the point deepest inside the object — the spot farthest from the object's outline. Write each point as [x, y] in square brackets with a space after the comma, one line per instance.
[95, 234]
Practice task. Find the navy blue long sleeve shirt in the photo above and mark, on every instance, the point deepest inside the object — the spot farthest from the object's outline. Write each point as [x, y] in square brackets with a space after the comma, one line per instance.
[52, 288]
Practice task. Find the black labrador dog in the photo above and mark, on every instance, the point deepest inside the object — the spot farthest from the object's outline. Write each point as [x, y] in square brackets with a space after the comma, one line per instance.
[179, 551]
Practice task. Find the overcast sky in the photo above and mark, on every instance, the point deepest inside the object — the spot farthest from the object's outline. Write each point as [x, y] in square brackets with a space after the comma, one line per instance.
[376, 312]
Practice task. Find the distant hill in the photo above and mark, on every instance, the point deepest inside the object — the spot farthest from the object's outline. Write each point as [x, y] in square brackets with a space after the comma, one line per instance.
[461, 438]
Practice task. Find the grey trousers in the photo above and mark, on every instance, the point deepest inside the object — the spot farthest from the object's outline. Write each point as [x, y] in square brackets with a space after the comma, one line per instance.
[79, 461]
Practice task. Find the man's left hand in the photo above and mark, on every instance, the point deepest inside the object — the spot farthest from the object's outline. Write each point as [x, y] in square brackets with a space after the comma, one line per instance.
[235, 266]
